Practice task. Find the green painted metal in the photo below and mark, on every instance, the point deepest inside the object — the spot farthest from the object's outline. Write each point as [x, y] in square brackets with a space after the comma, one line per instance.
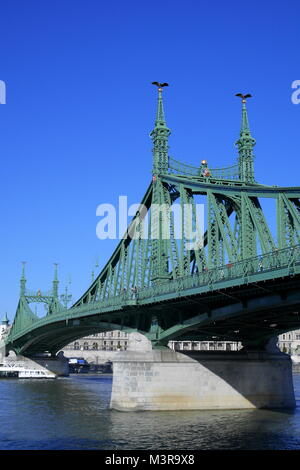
[155, 283]
[245, 146]
[160, 135]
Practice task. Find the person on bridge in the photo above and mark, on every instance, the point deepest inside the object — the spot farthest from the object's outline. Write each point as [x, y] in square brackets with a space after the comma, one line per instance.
[134, 292]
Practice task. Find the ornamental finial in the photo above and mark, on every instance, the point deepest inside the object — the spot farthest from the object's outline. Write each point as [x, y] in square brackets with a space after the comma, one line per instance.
[23, 269]
[160, 85]
[55, 271]
[23, 280]
[55, 282]
[245, 123]
[160, 115]
[244, 97]
[245, 144]
[160, 135]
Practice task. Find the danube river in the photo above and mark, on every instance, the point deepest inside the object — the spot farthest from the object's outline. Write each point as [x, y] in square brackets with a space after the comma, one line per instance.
[72, 413]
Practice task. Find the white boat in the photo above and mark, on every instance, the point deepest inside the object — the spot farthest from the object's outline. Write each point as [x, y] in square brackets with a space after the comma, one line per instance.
[10, 371]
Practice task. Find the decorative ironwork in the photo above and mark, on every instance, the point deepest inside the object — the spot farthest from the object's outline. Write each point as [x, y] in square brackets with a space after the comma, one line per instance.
[226, 173]
[239, 249]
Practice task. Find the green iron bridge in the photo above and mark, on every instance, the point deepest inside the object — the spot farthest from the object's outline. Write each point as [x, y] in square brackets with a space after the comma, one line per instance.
[239, 281]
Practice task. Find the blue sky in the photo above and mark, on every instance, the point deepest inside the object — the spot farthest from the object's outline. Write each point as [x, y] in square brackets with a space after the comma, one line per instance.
[74, 131]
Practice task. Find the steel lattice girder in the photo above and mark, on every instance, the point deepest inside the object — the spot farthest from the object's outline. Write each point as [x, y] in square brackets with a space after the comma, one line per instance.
[170, 282]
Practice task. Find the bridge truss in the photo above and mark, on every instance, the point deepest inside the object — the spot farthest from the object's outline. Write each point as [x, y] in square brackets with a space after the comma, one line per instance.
[171, 276]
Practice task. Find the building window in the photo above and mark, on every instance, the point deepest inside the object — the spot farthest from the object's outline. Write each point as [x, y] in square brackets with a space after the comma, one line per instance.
[76, 345]
[95, 346]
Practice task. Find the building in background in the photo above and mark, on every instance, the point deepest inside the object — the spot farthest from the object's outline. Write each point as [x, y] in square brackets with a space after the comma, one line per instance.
[4, 326]
[98, 348]
[204, 345]
[290, 342]
[102, 347]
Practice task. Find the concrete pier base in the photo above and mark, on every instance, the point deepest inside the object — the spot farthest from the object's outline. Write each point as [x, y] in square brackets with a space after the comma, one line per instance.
[167, 380]
[58, 364]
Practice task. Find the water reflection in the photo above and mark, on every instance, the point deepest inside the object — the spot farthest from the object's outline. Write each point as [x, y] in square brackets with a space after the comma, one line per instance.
[73, 413]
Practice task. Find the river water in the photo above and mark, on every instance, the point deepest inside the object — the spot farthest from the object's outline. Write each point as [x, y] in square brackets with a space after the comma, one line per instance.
[73, 413]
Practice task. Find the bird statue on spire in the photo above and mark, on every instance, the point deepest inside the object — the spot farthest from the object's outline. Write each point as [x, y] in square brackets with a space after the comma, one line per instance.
[244, 97]
[160, 85]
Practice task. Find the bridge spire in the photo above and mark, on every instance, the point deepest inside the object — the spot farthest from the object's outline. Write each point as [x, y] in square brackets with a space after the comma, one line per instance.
[23, 280]
[160, 135]
[245, 145]
[5, 320]
[55, 282]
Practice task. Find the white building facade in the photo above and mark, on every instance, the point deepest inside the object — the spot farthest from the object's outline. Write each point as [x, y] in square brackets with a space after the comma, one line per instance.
[102, 347]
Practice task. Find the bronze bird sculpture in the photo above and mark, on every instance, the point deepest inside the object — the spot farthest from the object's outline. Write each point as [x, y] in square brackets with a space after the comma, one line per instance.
[244, 97]
[160, 85]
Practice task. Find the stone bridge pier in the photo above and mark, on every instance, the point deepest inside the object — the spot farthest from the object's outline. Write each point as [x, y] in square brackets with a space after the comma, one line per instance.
[163, 379]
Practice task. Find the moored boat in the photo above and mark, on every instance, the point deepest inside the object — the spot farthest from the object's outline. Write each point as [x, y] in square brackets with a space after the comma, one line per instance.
[78, 365]
[14, 371]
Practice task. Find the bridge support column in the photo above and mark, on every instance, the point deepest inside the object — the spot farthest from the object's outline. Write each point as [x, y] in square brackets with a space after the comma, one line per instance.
[168, 380]
[58, 364]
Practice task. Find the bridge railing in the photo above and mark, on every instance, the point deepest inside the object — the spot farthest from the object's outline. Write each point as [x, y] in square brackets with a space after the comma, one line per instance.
[270, 262]
[38, 293]
[228, 173]
[287, 258]
[284, 258]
